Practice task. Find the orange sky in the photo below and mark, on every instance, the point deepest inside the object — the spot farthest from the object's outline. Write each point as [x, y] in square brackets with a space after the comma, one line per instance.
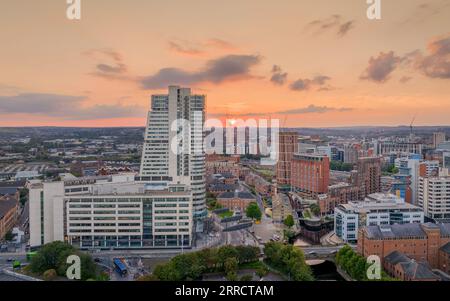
[308, 63]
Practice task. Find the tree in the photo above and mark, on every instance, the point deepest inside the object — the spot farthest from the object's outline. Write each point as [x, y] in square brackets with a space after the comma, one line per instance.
[315, 209]
[288, 260]
[231, 265]
[246, 278]
[289, 221]
[224, 253]
[247, 254]
[54, 256]
[253, 211]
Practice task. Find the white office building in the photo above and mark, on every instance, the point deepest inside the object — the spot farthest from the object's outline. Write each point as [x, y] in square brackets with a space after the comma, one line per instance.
[434, 195]
[173, 148]
[376, 209]
[118, 211]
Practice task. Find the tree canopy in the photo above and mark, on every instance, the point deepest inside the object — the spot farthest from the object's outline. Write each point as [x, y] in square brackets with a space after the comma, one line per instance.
[253, 211]
[289, 260]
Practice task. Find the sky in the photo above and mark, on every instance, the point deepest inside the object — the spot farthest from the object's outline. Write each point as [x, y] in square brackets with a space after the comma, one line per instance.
[318, 63]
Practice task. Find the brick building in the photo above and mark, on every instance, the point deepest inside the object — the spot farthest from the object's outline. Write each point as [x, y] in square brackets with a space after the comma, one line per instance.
[310, 174]
[421, 242]
[368, 176]
[9, 212]
[287, 147]
[236, 200]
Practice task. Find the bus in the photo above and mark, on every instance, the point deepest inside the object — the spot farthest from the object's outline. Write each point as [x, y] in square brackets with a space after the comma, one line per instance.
[30, 255]
[120, 266]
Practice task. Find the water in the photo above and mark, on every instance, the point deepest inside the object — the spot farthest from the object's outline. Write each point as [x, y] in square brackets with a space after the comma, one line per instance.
[326, 271]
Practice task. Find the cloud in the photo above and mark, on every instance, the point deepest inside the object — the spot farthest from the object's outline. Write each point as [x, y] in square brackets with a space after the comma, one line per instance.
[314, 109]
[111, 65]
[319, 81]
[311, 109]
[220, 44]
[278, 76]
[345, 27]
[427, 10]
[381, 67]
[185, 49]
[405, 79]
[64, 106]
[215, 71]
[334, 23]
[435, 64]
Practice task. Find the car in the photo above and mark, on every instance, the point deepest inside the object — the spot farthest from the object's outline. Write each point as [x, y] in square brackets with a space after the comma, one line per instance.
[10, 259]
[312, 252]
[97, 259]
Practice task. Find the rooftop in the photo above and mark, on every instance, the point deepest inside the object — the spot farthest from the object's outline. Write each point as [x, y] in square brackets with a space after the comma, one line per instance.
[236, 194]
[404, 230]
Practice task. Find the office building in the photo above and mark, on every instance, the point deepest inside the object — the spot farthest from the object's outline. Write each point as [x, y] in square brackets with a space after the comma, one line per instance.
[173, 147]
[438, 138]
[118, 211]
[376, 209]
[446, 160]
[434, 195]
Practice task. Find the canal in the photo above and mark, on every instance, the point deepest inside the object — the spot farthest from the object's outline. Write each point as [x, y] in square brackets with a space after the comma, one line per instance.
[324, 270]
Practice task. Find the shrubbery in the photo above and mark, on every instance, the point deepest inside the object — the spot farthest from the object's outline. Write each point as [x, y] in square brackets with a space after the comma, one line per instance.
[53, 256]
[288, 260]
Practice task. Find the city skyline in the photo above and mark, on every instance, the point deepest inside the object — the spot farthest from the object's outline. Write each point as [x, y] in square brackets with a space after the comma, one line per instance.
[320, 64]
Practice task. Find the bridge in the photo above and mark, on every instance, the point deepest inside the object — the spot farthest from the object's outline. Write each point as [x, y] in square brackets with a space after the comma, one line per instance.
[322, 252]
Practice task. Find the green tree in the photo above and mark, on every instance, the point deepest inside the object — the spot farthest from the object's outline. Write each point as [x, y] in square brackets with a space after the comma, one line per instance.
[253, 211]
[9, 236]
[289, 221]
[54, 256]
[231, 265]
[247, 254]
[289, 260]
[226, 252]
[315, 209]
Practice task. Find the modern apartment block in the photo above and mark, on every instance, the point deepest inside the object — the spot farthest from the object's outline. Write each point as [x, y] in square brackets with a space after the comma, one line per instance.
[118, 211]
[438, 138]
[310, 174]
[288, 146]
[368, 176]
[434, 195]
[414, 167]
[376, 209]
[173, 145]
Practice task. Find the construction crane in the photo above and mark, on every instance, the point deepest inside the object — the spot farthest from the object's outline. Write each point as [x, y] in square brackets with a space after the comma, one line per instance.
[411, 125]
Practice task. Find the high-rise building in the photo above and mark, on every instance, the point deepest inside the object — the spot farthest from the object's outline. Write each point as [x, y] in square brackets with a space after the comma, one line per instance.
[310, 174]
[287, 147]
[434, 195]
[368, 177]
[173, 147]
[446, 160]
[414, 167]
[438, 138]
